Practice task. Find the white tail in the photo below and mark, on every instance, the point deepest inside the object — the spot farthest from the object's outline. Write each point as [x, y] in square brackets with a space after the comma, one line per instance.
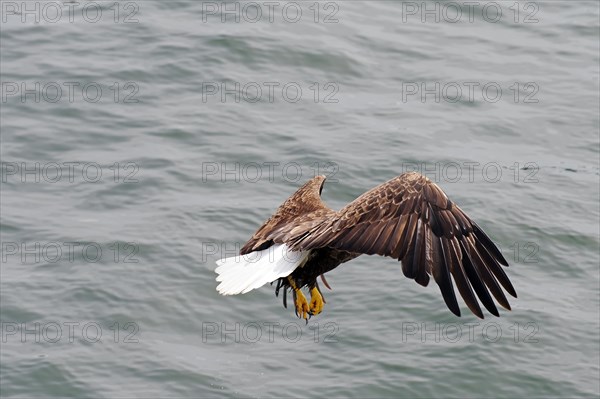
[240, 274]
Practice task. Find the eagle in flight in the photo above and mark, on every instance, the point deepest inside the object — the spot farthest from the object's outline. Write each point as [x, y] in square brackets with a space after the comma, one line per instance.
[408, 218]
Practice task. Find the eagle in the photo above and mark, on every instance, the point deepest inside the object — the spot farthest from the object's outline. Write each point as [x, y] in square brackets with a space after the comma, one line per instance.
[408, 218]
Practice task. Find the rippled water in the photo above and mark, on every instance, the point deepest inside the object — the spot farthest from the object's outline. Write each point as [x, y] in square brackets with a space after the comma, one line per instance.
[131, 161]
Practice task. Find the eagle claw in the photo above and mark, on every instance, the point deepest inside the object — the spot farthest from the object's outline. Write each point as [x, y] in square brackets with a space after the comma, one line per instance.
[302, 309]
[316, 301]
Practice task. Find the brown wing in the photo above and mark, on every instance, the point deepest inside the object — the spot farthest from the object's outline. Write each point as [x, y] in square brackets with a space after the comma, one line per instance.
[302, 212]
[411, 219]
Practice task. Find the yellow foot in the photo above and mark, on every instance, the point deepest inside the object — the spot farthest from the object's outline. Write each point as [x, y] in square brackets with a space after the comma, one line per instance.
[301, 303]
[316, 301]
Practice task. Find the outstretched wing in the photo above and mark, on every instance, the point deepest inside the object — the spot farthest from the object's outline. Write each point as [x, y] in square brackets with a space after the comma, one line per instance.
[411, 219]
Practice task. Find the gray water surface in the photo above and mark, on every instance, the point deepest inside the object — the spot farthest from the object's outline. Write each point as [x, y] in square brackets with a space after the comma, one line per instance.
[118, 197]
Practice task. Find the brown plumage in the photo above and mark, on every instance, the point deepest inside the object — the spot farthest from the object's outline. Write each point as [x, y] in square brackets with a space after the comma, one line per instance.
[408, 218]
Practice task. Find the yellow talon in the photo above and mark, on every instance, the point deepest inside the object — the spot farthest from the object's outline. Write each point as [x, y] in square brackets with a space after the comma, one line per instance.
[300, 301]
[301, 305]
[316, 301]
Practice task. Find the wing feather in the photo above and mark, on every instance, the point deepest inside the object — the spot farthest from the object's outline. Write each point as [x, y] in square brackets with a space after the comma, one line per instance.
[486, 276]
[411, 219]
[441, 266]
[496, 269]
[407, 238]
[395, 244]
[460, 277]
[476, 282]
[419, 247]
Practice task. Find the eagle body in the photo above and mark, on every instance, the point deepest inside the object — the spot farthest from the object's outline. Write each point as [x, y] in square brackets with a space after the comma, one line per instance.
[320, 261]
[408, 218]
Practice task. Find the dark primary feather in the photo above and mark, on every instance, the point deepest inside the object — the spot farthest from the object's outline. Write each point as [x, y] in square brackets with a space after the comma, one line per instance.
[408, 218]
